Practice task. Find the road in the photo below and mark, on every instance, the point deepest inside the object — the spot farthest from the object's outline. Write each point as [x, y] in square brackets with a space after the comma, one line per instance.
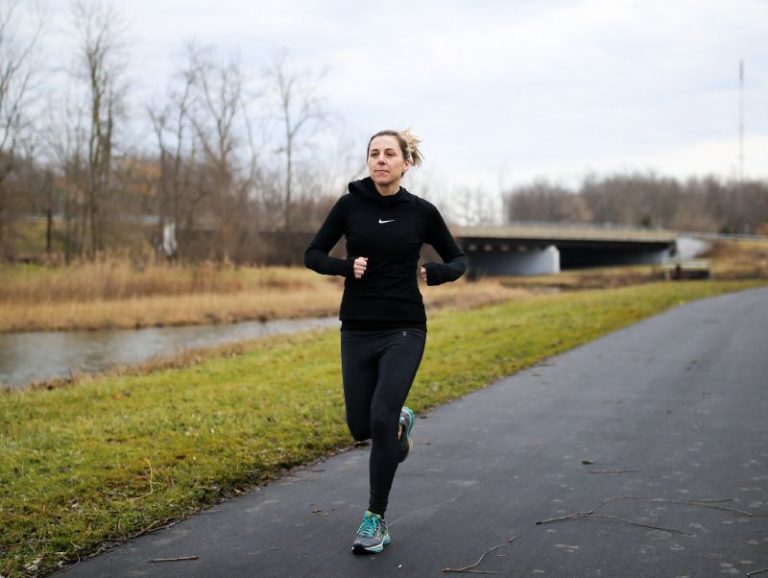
[660, 430]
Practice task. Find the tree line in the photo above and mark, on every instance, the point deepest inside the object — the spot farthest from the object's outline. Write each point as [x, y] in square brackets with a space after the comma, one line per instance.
[224, 162]
[702, 204]
[220, 166]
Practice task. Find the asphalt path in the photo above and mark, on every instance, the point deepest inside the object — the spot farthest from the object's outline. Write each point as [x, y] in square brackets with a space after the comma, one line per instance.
[656, 434]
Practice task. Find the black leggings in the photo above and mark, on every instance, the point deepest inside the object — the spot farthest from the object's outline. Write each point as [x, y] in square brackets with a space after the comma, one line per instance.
[378, 369]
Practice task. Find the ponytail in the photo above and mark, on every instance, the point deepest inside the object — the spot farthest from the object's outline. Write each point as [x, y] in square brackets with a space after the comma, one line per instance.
[412, 153]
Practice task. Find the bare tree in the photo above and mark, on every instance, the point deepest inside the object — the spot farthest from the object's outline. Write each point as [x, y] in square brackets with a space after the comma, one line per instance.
[472, 207]
[16, 77]
[647, 200]
[692, 213]
[542, 201]
[222, 130]
[172, 126]
[64, 132]
[298, 108]
[101, 66]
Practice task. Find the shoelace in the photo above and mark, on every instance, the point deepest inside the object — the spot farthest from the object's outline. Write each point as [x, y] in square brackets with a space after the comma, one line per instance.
[368, 526]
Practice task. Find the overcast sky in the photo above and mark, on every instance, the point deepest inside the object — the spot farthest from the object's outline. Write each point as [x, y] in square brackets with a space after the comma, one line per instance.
[501, 91]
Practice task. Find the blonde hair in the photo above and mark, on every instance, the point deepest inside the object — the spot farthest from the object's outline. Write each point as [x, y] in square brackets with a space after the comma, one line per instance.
[409, 145]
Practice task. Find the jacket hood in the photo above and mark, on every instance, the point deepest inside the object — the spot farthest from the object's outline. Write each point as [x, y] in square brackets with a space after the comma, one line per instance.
[366, 189]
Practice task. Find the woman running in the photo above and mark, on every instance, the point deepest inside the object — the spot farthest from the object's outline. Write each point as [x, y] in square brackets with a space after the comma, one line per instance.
[383, 323]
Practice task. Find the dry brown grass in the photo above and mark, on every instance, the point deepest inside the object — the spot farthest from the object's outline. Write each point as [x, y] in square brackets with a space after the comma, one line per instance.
[115, 296]
[739, 259]
[109, 294]
[167, 310]
[602, 278]
[117, 279]
[467, 295]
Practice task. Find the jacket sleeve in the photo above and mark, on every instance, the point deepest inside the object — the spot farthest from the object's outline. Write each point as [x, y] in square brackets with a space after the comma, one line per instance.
[316, 256]
[454, 263]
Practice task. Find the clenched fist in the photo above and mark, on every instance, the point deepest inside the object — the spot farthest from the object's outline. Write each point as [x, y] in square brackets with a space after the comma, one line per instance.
[359, 266]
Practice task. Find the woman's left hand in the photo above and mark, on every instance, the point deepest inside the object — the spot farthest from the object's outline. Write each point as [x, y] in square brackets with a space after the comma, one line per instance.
[423, 274]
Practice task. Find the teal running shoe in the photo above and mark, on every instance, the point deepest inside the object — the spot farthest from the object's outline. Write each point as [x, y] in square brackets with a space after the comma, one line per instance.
[372, 535]
[407, 419]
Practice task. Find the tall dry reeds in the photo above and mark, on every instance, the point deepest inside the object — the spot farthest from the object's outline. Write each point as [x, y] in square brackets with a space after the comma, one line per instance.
[739, 259]
[118, 279]
[114, 294]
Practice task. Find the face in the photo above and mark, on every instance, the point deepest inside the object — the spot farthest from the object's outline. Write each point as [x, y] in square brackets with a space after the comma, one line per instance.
[386, 164]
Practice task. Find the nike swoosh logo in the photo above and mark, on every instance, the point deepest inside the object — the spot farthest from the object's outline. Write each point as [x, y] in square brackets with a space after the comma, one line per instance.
[382, 222]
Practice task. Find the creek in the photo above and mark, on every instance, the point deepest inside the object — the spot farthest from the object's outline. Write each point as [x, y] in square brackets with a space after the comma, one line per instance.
[39, 356]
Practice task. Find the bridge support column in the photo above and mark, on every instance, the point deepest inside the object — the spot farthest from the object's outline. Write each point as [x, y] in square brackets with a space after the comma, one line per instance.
[514, 261]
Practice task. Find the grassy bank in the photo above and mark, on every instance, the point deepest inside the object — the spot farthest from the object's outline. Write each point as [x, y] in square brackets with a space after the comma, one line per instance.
[83, 466]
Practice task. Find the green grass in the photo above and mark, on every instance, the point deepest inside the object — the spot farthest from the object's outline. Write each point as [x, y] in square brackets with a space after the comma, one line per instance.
[84, 466]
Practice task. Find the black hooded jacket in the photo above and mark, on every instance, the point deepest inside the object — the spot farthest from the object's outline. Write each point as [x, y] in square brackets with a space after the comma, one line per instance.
[389, 231]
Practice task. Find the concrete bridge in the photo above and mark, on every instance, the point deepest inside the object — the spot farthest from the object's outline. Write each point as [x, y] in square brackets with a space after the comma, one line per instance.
[539, 249]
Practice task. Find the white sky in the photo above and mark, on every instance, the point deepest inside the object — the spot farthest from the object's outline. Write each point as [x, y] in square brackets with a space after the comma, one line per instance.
[501, 91]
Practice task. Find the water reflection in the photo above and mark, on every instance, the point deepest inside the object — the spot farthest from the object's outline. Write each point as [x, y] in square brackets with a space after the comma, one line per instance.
[28, 357]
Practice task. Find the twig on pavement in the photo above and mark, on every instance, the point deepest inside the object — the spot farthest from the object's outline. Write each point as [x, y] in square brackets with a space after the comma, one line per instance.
[179, 559]
[711, 504]
[593, 514]
[641, 524]
[470, 569]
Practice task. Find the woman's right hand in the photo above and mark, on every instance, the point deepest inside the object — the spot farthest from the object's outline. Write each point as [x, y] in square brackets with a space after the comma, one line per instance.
[359, 266]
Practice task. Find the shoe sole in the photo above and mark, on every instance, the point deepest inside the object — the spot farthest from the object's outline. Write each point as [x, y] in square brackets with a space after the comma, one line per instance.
[372, 549]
